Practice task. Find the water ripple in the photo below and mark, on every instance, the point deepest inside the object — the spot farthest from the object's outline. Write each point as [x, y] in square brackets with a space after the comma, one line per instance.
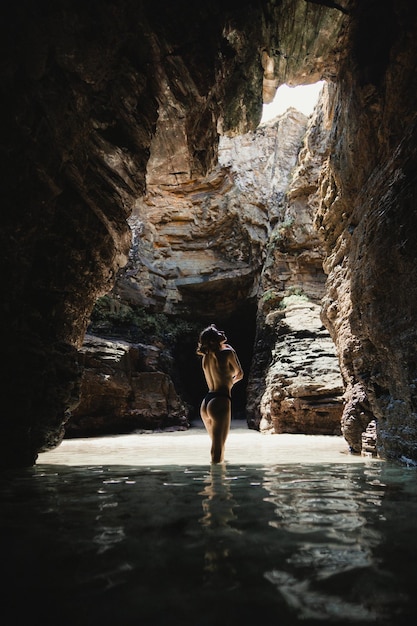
[280, 544]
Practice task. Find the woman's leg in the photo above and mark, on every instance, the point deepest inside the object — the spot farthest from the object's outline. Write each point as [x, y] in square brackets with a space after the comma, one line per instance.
[219, 415]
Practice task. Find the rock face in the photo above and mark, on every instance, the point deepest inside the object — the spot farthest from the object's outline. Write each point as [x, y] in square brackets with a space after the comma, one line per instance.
[191, 251]
[198, 246]
[185, 261]
[87, 89]
[295, 383]
[266, 184]
[368, 221]
[123, 389]
[303, 386]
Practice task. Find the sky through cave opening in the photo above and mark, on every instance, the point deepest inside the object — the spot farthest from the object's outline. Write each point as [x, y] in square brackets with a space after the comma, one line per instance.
[303, 98]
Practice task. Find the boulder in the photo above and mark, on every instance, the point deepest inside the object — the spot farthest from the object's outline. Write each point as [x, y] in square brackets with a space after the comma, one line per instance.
[123, 390]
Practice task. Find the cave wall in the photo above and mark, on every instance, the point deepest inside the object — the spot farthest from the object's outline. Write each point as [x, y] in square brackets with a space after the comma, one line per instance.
[197, 253]
[198, 244]
[369, 222]
[295, 385]
[77, 117]
[82, 85]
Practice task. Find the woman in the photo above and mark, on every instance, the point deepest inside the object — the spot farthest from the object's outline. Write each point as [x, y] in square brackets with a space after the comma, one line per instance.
[222, 370]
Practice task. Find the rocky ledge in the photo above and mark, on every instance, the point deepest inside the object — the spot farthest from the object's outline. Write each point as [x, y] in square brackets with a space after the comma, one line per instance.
[124, 389]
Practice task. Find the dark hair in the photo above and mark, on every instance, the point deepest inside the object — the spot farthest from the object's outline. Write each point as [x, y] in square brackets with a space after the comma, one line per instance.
[209, 340]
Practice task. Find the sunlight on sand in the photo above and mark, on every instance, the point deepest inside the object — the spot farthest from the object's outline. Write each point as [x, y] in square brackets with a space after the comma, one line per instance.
[192, 447]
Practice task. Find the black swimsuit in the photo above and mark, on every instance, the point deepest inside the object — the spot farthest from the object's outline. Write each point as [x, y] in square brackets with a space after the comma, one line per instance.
[215, 394]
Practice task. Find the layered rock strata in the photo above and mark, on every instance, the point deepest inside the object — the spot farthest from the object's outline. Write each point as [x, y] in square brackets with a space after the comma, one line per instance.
[295, 383]
[271, 197]
[368, 221]
[302, 387]
[124, 388]
[198, 246]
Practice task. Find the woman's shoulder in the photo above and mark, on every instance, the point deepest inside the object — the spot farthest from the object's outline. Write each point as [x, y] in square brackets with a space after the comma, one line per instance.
[227, 349]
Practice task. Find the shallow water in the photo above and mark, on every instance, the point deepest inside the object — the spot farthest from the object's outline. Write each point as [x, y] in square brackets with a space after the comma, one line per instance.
[298, 540]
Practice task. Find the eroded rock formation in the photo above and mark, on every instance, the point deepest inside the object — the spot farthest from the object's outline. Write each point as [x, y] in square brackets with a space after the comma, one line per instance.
[368, 221]
[124, 388]
[84, 85]
[295, 383]
[266, 185]
[198, 246]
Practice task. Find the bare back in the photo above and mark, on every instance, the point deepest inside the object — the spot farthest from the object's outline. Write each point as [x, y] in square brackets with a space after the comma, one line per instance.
[222, 369]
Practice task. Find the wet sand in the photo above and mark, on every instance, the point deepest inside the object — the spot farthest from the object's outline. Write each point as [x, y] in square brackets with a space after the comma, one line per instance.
[192, 447]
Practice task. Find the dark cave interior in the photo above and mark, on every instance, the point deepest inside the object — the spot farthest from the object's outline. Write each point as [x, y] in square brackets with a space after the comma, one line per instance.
[240, 328]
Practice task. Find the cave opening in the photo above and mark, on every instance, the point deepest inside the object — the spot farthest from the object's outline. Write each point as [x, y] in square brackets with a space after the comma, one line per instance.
[302, 97]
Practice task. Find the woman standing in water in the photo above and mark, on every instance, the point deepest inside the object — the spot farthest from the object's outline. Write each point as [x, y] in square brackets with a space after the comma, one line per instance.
[222, 370]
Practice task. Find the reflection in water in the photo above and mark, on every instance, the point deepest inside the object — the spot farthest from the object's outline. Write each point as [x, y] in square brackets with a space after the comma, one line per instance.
[191, 545]
[106, 536]
[218, 513]
[327, 515]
